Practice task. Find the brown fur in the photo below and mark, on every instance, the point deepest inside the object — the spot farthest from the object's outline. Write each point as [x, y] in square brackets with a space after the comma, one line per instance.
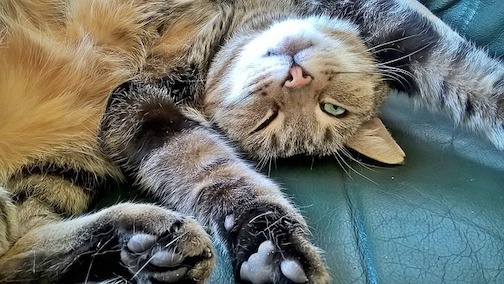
[94, 89]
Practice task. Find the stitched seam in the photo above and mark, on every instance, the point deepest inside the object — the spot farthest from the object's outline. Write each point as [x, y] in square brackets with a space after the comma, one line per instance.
[361, 239]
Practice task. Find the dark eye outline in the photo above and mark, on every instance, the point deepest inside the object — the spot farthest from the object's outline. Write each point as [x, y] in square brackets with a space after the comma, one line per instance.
[333, 110]
[272, 52]
[268, 120]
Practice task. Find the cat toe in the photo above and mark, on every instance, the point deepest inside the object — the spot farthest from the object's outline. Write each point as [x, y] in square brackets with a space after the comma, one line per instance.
[141, 242]
[148, 257]
[167, 259]
[261, 266]
[272, 247]
[293, 270]
[165, 249]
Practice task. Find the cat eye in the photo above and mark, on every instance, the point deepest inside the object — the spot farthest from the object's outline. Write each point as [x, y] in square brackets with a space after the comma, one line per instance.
[333, 110]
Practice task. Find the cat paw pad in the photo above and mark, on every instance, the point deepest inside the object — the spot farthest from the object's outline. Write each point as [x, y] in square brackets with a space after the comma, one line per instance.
[181, 254]
[272, 247]
[260, 267]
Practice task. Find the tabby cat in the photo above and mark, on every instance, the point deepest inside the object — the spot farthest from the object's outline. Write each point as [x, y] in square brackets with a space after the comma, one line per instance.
[167, 93]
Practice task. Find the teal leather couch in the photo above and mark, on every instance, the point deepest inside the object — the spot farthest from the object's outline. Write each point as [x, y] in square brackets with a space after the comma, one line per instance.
[437, 219]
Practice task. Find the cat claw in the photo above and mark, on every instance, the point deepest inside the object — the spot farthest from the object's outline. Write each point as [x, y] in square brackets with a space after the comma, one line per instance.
[260, 268]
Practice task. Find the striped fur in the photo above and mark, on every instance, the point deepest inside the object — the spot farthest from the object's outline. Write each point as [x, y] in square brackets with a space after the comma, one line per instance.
[167, 93]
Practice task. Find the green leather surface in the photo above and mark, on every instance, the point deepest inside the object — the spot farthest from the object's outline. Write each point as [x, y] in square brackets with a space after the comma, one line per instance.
[437, 219]
[480, 20]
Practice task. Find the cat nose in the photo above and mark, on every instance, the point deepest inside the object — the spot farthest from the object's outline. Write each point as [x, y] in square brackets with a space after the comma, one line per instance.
[297, 78]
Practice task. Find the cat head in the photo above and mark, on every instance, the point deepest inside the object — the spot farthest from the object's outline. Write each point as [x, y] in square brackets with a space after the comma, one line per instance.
[300, 86]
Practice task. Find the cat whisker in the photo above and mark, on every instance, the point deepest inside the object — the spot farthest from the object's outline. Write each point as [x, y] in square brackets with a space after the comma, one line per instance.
[339, 161]
[261, 163]
[396, 78]
[405, 56]
[343, 160]
[396, 74]
[406, 84]
[391, 42]
[368, 166]
[385, 49]
[266, 160]
[269, 167]
[396, 69]
[352, 72]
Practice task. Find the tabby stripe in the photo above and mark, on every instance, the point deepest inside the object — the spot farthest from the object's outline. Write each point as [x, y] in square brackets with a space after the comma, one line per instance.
[328, 136]
[214, 194]
[79, 177]
[219, 74]
[4, 216]
[499, 84]
[214, 164]
[160, 121]
[445, 89]
[469, 108]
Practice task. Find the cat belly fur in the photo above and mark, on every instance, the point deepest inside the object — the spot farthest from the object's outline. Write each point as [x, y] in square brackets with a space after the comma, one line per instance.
[52, 94]
[56, 79]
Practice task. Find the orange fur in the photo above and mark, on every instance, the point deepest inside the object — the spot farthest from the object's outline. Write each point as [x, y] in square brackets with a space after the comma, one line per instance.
[47, 121]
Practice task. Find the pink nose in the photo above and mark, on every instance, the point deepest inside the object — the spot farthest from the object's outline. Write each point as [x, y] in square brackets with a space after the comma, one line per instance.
[297, 79]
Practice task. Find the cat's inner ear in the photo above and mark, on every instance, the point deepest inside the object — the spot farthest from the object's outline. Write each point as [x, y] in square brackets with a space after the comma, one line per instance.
[374, 141]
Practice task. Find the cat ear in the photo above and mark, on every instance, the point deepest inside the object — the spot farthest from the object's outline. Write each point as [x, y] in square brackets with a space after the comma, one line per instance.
[374, 141]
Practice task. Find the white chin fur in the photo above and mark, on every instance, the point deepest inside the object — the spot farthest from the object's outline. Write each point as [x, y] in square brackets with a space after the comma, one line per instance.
[253, 54]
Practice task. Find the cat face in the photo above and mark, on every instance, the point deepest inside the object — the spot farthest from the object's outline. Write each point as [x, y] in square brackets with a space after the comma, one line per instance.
[301, 86]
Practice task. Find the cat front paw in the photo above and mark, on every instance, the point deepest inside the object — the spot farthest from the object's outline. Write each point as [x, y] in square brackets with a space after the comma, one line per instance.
[269, 245]
[168, 248]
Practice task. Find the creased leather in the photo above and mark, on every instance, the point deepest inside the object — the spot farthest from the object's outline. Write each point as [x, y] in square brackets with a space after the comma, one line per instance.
[480, 20]
[437, 219]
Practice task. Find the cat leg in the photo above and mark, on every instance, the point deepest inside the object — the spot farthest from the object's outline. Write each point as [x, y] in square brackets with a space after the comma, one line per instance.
[426, 58]
[9, 227]
[141, 242]
[189, 167]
